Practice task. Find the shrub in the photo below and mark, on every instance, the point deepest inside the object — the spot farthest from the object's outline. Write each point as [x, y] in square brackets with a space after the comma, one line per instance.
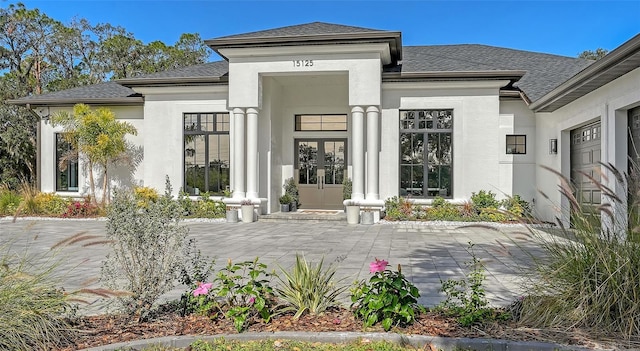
[33, 313]
[86, 208]
[484, 199]
[347, 188]
[517, 206]
[147, 250]
[145, 195]
[9, 201]
[28, 205]
[465, 298]
[51, 204]
[207, 208]
[441, 210]
[285, 199]
[591, 271]
[398, 209]
[244, 293]
[309, 287]
[388, 297]
[199, 269]
[291, 188]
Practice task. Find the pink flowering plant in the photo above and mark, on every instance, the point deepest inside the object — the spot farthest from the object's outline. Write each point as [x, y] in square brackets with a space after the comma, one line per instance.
[387, 298]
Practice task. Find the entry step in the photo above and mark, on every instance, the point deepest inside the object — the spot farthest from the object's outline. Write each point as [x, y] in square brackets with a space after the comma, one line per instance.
[305, 216]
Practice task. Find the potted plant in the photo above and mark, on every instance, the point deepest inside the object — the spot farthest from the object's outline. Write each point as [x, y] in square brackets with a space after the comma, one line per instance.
[232, 214]
[291, 188]
[246, 206]
[367, 216]
[285, 200]
[347, 187]
[353, 212]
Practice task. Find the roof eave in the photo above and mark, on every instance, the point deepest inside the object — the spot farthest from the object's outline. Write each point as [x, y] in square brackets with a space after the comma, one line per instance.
[137, 100]
[394, 39]
[590, 73]
[502, 74]
[131, 82]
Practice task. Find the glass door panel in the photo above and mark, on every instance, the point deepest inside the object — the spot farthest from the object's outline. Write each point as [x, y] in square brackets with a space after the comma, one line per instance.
[320, 171]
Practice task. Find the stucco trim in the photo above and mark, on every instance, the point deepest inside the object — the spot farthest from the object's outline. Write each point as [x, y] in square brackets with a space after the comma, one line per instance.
[70, 102]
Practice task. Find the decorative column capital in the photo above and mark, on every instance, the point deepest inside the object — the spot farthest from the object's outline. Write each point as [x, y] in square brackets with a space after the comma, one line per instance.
[252, 110]
[373, 109]
[238, 110]
[355, 109]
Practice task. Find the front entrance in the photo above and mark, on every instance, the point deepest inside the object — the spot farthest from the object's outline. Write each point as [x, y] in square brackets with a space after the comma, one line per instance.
[319, 171]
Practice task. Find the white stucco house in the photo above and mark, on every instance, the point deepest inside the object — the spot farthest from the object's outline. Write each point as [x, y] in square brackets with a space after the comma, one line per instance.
[320, 102]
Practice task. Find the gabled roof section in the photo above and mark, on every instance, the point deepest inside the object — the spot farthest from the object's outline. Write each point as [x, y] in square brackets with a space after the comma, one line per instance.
[107, 93]
[206, 73]
[617, 63]
[539, 72]
[316, 33]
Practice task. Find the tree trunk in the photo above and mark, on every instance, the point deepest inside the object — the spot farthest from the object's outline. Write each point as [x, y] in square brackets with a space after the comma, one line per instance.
[92, 184]
[104, 186]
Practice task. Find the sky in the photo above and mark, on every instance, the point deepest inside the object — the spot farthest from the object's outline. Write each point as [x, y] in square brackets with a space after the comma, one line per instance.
[557, 27]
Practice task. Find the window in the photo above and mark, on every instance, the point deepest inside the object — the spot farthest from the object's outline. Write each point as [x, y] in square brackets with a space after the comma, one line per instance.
[66, 165]
[324, 123]
[426, 162]
[516, 144]
[206, 153]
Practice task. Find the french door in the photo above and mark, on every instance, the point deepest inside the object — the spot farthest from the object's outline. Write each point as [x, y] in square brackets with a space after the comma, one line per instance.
[319, 170]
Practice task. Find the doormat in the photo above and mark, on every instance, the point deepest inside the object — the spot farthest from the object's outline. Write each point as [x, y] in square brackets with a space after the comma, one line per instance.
[327, 212]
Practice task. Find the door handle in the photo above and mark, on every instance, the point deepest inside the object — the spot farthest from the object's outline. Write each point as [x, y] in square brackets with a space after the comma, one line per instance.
[322, 182]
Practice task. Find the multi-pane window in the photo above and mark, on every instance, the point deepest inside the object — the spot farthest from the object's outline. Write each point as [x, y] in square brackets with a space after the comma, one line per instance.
[516, 144]
[66, 165]
[206, 153]
[321, 123]
[426, 159]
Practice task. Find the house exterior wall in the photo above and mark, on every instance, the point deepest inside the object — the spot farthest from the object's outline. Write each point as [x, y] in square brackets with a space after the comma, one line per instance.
[608, 104]
[120, 176]
[476, 133]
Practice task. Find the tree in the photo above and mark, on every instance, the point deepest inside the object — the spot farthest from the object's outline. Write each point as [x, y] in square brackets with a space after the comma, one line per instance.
[98, 136]
[593, 55]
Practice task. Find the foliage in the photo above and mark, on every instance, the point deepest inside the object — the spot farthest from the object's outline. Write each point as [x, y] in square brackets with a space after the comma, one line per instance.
[347, 188]
[484, 199]
[591, 271]
[516, 206]
[309, 287]
[398, 209]
[291, 188]
[9, 201]
[98, 136]
[147, 254]
[145, 195]
[244, 292]
[51, 204]
[200, 269]
[39, 54]
[593, 54]
[34, 312]
[441, 210]
[271, 345]
[285, 199]
[207, 208]
[388, 297]
[465, 298]
[82, 209]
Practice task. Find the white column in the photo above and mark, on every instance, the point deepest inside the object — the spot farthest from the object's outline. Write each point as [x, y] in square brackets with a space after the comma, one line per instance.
[239, 154]
[252, 153]
[373, 148]
[357, 147]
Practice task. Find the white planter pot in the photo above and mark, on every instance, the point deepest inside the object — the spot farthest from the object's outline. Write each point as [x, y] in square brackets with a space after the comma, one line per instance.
[247, 213]
[367, 217]
[232, 216]
[353, 214]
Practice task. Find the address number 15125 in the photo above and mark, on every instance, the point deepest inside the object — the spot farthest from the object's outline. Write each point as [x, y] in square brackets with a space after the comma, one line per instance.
[302, 63]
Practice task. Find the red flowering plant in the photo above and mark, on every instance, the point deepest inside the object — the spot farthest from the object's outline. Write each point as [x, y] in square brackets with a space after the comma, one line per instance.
[387, 298]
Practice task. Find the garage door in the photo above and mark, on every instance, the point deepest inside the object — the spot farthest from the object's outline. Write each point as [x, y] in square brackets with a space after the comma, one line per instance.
[585, 155]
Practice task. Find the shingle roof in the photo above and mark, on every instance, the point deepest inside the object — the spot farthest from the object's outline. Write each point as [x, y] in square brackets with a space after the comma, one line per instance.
[215, 69]
[544, 71]
[100, 92]
[315, 28]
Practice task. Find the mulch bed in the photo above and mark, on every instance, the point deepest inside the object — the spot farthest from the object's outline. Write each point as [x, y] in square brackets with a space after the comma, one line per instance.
[107, 329]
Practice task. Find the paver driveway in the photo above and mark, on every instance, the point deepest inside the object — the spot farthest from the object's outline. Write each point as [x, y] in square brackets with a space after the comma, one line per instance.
[427, 253]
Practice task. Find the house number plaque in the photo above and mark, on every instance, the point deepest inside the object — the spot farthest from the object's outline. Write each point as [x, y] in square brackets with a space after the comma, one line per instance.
[302, 63]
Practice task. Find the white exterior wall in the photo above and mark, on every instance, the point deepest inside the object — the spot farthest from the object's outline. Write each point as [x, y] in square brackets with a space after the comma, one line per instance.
[120, 177]
[609, 104]
[476, 133]
[163, 124]
[518, 172]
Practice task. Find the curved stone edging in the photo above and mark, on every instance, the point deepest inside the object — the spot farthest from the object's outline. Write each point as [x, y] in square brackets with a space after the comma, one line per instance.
[418, 341]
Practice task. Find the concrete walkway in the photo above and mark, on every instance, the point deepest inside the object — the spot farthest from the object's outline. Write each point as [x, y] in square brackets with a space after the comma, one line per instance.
[427, 253]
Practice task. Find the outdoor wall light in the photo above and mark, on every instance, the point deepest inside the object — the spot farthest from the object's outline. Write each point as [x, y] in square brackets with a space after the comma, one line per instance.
[553, 146]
